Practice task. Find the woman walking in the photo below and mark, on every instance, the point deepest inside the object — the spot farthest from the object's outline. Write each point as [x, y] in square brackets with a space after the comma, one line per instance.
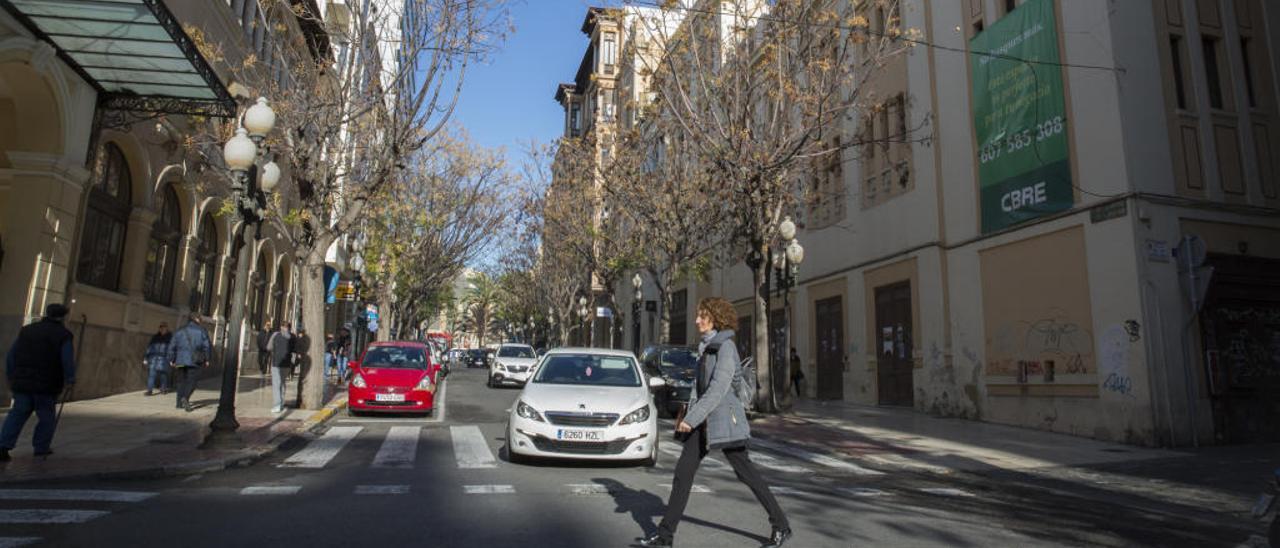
[157, 361]
[716, 419]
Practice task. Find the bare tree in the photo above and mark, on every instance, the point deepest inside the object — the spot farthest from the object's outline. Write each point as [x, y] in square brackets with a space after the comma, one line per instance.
[759, 91]
[423, 231]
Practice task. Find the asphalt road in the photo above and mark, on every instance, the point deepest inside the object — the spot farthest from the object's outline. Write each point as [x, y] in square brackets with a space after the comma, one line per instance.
[444, 481]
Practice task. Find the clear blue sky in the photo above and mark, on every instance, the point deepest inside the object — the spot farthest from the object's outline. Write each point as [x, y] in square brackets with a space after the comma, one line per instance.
[509, 99]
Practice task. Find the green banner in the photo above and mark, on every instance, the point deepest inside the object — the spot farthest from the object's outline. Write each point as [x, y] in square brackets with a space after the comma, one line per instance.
[1020, 118]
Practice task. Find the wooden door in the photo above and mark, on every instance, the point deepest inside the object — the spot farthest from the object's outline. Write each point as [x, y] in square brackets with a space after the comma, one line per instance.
[829, 326]
[893, 344]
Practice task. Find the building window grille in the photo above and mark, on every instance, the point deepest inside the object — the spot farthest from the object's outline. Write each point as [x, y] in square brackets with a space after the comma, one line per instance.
[206, 259]
[162, 250]
[106, 220]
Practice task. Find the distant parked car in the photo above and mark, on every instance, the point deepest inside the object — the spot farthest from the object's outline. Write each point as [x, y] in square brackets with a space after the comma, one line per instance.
[676, 366]
[395, 377]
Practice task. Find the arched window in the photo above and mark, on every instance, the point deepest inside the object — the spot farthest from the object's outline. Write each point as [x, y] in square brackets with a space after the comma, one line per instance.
[162, 250]
[277, 294]
[105, 220]
[206, 259]
[237, 243]
[259, 292]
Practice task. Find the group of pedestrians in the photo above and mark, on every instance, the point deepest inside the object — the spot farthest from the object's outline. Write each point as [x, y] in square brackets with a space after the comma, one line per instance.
[337, 352]
[177, 358]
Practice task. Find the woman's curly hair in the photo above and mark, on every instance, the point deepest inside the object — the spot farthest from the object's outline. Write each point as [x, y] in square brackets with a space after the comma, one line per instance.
[723, 315]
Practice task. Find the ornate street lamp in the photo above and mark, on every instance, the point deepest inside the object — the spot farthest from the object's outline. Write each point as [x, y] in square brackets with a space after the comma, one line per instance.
[249, 190]
[638, 283]
[584, 313]
[786, 261]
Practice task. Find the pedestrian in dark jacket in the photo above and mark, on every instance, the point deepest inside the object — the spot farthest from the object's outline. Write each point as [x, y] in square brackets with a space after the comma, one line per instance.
[189, 350]
[280, 351]
[157, 361]
[797, 371]
[716, 419]
[264, 357]
[39, 366]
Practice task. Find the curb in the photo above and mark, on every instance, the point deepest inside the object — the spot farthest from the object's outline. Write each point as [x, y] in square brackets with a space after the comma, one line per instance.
[240, 459]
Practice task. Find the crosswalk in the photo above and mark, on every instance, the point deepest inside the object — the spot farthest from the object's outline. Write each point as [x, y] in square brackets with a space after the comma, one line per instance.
[100, 503]
[398, 449]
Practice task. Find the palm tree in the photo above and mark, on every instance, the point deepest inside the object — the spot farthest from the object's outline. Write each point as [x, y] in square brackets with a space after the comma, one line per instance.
[481, 300]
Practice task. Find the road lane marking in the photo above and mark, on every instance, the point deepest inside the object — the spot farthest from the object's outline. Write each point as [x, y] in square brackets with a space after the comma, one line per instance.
[773, 463]
[15, 542]
[814, 458]
[470, 448]
[946, 492]
[697, 487]
[382, 490]
[489, 489]
[75, 495]
[587, 489]
[271, 490]
[49, 516]
[862, 492]
[399, 448]
[319, 452]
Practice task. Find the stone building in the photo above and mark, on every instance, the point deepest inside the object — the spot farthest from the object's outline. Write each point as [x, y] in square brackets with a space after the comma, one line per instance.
[102, 203]
[1119, 279]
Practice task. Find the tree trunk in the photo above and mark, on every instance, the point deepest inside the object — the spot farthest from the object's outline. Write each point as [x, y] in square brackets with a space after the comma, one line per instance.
[313, 292]
[764, 372]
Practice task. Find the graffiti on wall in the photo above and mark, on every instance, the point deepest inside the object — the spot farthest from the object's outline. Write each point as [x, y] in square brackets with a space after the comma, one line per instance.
[1040, 349]
[1113, 360]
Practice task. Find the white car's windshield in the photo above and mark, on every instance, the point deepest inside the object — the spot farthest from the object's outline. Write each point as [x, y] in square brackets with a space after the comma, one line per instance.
[516, 352]
[587, 369]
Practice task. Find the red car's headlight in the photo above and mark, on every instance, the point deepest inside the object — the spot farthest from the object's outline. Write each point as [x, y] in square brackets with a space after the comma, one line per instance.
[425, 384]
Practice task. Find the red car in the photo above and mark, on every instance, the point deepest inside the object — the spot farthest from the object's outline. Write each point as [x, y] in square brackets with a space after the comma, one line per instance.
[395, 377]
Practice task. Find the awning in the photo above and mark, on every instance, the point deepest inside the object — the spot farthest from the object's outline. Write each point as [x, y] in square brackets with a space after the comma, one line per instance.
[132, 51]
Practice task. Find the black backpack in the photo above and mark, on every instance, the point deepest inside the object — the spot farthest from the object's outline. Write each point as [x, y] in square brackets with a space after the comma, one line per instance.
[744, 378]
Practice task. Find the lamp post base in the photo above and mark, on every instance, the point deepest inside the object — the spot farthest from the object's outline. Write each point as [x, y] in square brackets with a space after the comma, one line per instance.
[222, 434]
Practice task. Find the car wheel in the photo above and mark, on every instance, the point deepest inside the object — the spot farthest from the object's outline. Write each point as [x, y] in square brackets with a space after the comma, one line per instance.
[652, 460]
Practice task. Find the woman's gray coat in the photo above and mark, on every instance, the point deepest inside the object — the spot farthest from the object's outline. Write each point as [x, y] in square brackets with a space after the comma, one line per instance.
[719, 407]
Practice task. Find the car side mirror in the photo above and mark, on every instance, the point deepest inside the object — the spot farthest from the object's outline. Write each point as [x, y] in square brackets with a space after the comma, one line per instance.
[657, 382]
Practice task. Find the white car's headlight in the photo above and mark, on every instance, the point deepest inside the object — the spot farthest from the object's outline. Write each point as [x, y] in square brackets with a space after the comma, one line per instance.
[358, 381]
[500, 367]
[524, 410]
[639, 415]
[425, 384]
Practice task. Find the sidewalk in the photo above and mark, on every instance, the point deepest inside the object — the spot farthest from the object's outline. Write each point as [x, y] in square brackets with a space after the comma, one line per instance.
[1225, 478]
[132, 435]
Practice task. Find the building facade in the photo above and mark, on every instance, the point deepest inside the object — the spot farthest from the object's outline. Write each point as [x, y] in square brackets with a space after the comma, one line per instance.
[104, 204]
[1110, 268]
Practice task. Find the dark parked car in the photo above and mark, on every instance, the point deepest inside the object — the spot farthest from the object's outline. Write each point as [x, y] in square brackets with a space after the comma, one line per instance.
[675, 364]
[478, 357]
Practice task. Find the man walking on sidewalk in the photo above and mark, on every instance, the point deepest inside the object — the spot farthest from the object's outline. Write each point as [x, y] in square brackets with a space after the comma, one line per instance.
[39, 365]
[279, 349]
[189, 352]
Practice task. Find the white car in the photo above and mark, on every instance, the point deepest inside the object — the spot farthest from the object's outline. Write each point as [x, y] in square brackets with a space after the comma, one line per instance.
[512, 364]
[586, 403]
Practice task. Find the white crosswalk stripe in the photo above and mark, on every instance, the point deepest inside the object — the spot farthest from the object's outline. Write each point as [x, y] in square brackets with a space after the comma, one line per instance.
[84, 495]
[773, 463]
[697, 487]
[271, 490]
[382, 490]
[489, 489]
[708, 462]
[814, 458]
[861, 492]
[946, 492]
[15, 542]
[586, 489]
[43, 515]
[470, 448]
[319, 452]
[399, 448]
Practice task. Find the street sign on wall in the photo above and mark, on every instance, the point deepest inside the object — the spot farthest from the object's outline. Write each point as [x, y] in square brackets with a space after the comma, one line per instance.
[1020, 118]
[346, 291]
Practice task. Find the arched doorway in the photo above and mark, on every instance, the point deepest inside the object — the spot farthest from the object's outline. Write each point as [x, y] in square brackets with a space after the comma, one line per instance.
[206, 267]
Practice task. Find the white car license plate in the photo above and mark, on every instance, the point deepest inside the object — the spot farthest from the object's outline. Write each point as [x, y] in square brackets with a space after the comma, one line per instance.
[388, 397]
[579, 435]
